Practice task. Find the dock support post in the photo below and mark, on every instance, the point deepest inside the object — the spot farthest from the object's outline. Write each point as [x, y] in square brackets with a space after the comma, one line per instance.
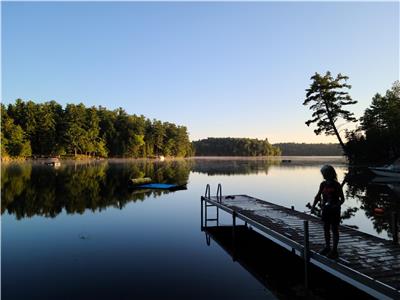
[233, 225]
[234, 220]
[234, 235]
[201, 213]
[395, 228]
[205, 214]
[217, 216]
[306, 253]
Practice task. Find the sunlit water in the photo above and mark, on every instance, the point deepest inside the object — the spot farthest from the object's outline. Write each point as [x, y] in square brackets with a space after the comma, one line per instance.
[79, 232]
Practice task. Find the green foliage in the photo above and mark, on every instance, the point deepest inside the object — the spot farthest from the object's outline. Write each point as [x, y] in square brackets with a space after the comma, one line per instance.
[45, 132]
[78, 130]
[75, 135]
[327, 96]
[3, 143]
[13, 140]
[378, 137]
[234, 147]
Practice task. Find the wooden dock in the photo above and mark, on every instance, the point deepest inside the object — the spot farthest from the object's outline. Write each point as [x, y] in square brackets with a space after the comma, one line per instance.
[367, 262]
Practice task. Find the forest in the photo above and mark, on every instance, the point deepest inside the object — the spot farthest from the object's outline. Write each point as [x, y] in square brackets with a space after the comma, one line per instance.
[234, 147]
[377, 138]
[303, 149]
[44, 129]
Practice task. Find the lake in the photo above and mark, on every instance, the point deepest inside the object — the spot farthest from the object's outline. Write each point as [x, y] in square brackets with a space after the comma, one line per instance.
[80, 232]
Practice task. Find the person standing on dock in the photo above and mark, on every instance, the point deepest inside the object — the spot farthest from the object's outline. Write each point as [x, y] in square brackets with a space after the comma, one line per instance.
[330, 194]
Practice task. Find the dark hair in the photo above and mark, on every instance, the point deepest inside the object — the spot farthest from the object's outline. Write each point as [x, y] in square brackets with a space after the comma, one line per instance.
[328, 172]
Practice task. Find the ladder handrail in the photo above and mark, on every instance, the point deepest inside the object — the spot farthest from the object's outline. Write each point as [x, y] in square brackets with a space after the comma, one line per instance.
[219, 192]
[207, 193]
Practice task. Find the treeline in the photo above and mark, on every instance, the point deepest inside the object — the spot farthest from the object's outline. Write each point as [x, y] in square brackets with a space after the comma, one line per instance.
[29, 128]
[303, 149]
[234, 147]
[377, 139]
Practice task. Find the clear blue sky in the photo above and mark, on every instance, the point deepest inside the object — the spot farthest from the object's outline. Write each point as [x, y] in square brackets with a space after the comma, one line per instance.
[221, 69]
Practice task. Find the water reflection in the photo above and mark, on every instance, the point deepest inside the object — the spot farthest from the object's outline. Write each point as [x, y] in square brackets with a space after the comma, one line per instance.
[245, 166]
[233, 166]
[379, 197]
[32, 189]
[141, 243]
[29, 190]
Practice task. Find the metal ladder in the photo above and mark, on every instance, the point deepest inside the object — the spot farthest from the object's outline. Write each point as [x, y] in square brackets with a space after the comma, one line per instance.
[207, 195]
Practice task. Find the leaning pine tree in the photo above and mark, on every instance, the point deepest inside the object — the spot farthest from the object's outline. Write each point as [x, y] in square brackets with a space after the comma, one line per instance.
[327, 96]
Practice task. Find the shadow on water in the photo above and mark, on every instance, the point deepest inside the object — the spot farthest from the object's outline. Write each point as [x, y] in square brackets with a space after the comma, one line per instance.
[31, 189]
[280, 271]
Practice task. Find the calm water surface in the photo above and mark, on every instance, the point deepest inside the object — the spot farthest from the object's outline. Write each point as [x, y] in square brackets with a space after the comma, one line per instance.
[79, 231]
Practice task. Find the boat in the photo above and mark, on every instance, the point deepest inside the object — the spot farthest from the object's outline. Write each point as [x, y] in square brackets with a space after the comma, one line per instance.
[53, 161]
[392, 170]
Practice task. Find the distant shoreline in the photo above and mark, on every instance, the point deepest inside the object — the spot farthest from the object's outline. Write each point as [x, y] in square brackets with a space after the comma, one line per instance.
[267, 157]
[283, 158]
[286, 158]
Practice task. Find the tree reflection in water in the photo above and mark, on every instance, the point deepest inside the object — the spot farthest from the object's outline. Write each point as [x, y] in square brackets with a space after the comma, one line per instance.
[379, 197]
[29, 189]
[237, 166]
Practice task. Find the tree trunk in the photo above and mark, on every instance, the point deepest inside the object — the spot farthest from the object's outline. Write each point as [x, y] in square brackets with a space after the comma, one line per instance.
[338, 136]
[334, 128]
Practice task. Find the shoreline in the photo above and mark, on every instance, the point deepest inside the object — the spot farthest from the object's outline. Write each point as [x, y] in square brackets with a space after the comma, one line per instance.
[286, 159]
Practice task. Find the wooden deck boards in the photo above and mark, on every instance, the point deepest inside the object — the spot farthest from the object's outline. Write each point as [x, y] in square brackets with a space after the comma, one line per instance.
[361, 252]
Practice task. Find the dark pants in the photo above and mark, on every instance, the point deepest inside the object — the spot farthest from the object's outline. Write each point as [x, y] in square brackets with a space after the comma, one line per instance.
[331, 219]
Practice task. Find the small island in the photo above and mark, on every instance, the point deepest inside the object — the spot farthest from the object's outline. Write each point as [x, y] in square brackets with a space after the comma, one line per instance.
[235, 147]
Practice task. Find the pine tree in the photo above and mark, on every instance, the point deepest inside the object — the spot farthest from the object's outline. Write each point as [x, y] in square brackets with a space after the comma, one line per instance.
[327, 96]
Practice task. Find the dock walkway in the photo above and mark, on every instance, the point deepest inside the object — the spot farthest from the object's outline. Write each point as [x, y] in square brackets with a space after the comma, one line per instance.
[367, 262]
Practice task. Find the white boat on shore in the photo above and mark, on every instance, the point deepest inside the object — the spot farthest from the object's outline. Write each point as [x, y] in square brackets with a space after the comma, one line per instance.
[392, 170]
[52, 161]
